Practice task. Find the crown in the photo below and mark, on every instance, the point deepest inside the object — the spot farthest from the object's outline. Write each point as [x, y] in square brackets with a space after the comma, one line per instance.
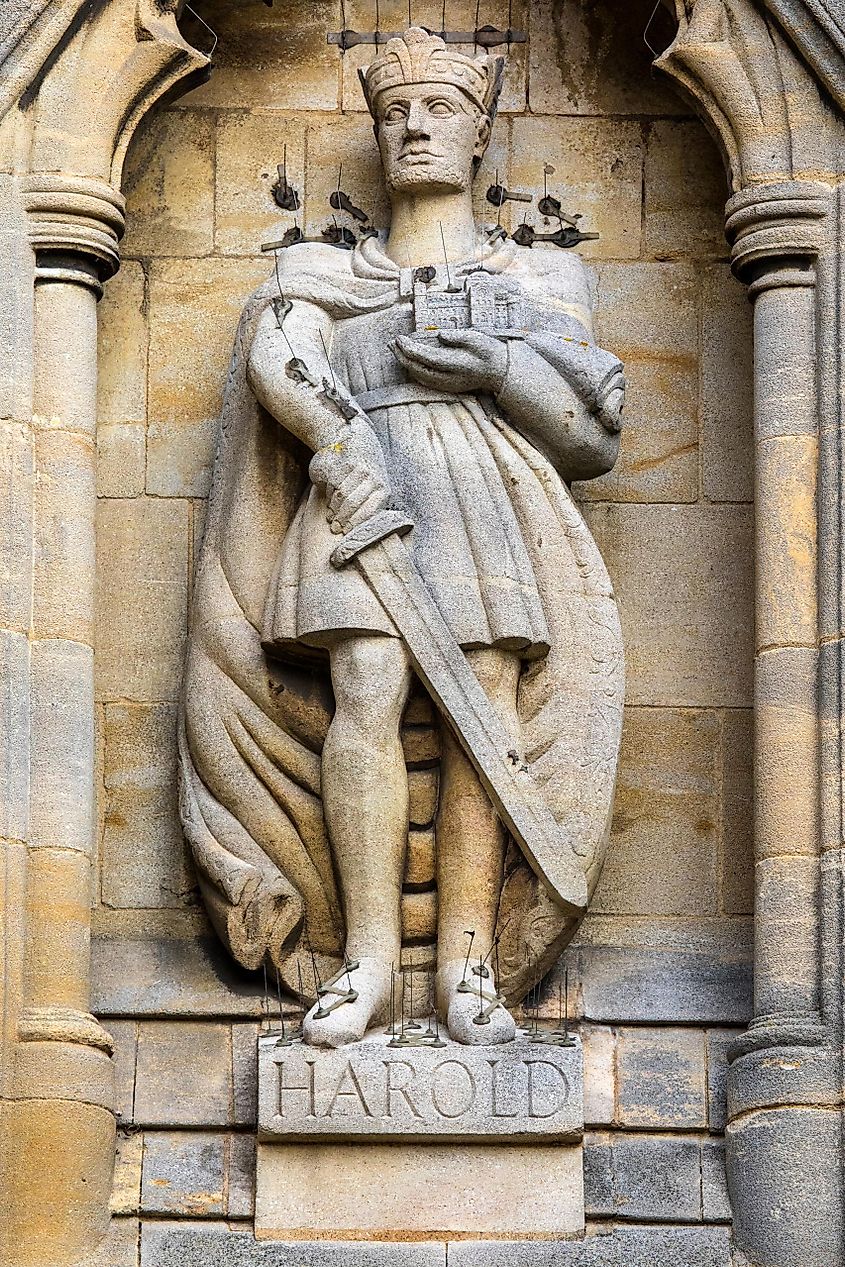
[420, 58]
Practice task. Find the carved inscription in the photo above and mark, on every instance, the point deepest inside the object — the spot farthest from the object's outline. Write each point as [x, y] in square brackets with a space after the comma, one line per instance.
[370, 1089]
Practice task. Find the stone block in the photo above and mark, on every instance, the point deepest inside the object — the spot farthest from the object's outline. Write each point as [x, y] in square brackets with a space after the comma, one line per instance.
[240, 1175]
[679, 972]
[194, 311]
[685, 191]
[183, 1174]
[524, 1091]
[688, 632]
[119, 1248]
[659, 456]
[605, 1246]
[599, 1044]
[142, 596]
[136, 975]
[588, 60]
[178, 1243]
[727, 388]
[418, 1192]
[715, 1201]
[17, 452]
[598, 166]
[420, 860]
[250, 148]
[61, 756]
[163, 1096]
[718, 1042]
[245, 1074]
[663, 857]
[125, 1036]
[168, 181]
[122, 384]
[279, 58]
[145, 862]
[63, 511]
[14, 735]
[346, 140]
[126, 1192]
[460, 16]
[737, 854]
[644, 1177]
[661, 1079]
[422, 792]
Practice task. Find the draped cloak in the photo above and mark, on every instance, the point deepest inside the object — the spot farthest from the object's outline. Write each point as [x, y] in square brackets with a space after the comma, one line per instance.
[507, 557]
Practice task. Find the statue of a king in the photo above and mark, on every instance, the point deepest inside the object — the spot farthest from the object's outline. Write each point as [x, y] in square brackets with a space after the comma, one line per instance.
[449, 375]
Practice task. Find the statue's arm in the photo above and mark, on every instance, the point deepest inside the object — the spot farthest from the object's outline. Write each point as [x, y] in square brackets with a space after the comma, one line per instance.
[567, 405]
[293, 401]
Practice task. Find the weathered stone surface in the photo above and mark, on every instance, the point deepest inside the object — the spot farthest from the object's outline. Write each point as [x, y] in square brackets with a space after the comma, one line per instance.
[126, 1192]
[599, 1045]
[587, 60]
[684, 183]
[416, 1192]
[348, 141]
[119, 1247]
[606, 1247]
[715, 1201]
[163, 1097]
[125, 1037]
[659, 457]
[240, 1175]
[664, 847]
[688, 633]
[661, 1076]
[245, 1074]
[122, 384]
[645, 1177]
[161, 976]
[296, 70]
[169, 186]
[141, 601]
[718, 1042]
[194, 307]
[250, 149]
[598, 174]
[145, 861]
[213, 1244]
[519, 1091]
[737, 860]
[184, 1173]
[726, 388]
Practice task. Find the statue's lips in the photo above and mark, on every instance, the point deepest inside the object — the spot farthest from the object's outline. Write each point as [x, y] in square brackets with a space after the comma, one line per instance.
[422, 155]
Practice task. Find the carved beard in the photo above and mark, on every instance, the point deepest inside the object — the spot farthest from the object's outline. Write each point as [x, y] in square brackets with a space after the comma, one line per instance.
[443, 174]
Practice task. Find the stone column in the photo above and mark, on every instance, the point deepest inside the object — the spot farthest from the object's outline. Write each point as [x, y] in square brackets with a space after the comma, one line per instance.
[785, 1059]
[62, 1092]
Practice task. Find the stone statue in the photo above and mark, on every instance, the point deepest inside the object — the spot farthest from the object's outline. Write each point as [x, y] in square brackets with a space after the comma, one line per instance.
[448, 379]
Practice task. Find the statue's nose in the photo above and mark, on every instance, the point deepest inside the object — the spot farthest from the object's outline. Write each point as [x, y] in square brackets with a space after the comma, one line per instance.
[417, 124]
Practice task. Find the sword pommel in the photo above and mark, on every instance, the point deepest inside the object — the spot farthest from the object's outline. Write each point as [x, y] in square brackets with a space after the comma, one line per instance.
[381, 525]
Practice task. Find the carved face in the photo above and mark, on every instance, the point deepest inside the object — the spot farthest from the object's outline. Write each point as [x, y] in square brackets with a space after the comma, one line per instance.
[430, 136]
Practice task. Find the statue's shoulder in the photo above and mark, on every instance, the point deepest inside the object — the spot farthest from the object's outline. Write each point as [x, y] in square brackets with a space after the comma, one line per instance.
[311, 272]
[559, 274]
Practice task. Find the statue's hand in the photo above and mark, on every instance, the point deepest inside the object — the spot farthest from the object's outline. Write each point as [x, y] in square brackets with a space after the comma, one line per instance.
[352, 475]
[461, 361]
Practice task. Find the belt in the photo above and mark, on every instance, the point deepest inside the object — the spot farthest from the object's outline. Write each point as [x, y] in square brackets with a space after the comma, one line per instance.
[403, 394]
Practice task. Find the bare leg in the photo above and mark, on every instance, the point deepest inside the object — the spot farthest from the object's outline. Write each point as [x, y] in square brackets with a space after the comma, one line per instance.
[365, 801]
[470, 858]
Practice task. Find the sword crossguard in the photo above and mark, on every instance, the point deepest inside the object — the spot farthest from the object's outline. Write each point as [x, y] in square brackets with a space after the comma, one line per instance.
[381, 525]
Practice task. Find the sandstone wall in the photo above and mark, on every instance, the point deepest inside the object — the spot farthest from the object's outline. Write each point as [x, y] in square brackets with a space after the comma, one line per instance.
[662, 965]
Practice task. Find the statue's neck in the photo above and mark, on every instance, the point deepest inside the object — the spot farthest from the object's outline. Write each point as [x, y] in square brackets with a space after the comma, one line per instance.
[420, 224]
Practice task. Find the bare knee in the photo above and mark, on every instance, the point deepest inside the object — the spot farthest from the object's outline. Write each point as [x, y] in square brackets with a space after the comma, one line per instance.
[371, 677]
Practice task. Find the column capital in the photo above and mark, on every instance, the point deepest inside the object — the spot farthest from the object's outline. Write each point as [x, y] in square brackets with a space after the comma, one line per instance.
[776, 228]
[75, 224]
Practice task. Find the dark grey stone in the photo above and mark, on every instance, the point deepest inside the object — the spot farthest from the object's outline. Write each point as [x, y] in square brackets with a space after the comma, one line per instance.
[169, 976]
[220, 1245]
[641, 985]
[654, 1177]
[718, 1042]
[617, 1247]
[715, 1202]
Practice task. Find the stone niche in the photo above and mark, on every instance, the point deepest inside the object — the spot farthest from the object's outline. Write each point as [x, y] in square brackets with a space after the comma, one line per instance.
[660, 970]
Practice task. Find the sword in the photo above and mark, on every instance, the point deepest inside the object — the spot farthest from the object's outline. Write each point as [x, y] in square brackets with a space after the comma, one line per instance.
[380, 555]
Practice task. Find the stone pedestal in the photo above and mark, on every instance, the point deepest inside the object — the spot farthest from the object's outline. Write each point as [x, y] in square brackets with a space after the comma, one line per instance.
[412, 1143]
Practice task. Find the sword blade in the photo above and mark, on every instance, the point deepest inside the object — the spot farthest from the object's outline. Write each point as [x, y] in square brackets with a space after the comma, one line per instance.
[441, 664]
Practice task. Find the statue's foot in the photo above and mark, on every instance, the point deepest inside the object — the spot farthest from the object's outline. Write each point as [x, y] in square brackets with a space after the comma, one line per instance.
[471, 1018]
[334, 1026]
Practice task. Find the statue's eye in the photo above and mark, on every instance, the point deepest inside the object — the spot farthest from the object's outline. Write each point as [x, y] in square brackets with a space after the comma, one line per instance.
[395, 114]
[441, 109]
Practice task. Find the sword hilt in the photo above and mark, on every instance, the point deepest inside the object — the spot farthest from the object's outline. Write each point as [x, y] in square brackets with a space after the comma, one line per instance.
[383, 524]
